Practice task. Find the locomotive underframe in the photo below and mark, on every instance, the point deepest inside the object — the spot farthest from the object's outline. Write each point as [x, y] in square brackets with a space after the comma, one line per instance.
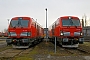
[19, 42]
[71, 40]
[23, 42]
[68, 41]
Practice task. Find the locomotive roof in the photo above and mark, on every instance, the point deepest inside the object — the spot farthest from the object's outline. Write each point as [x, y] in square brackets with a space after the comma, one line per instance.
[61, 17]
[15, 18]
[68, 16]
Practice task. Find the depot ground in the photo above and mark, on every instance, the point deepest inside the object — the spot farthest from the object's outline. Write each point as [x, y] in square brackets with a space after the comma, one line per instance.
[45, 51]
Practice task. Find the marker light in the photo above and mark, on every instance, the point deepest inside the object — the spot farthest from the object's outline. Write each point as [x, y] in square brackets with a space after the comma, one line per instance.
[69, 17]
[20, 18]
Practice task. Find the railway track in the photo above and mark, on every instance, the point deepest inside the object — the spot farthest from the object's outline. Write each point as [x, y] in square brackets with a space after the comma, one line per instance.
[42, 50]
[77, 51]
[81, 50]
[11, 53]
[85, 51]
[60, 51]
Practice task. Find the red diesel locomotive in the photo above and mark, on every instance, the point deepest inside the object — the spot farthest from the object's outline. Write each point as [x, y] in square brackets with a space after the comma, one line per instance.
[5, 34]
[23, 32]
[67, 30]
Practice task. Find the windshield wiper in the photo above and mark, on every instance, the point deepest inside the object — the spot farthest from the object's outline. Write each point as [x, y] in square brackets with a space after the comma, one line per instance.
[18, 25]
[73, 23]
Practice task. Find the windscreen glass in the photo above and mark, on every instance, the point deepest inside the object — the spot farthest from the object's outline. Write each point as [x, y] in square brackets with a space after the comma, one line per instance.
[19, 23]
[71, 22]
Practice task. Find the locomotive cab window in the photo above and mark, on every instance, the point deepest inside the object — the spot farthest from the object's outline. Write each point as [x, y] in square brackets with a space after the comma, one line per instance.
[71, 22]
[19, 23]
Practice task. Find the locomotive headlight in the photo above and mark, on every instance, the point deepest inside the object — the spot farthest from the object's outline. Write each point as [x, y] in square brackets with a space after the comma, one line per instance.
[81, 33]
[61, 33]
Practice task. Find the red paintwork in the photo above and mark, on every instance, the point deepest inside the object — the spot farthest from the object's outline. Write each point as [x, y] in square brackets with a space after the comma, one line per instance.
[58, 28]
[31, 28]
[3, 34]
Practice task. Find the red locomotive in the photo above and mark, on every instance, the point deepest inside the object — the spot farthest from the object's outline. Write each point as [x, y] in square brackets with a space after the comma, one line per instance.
[23, 32]
[3, 34]
[67, 30]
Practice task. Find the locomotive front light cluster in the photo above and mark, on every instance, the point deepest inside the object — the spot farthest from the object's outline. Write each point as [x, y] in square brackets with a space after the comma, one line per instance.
[81, 33]
[25, 40]
[25, 34]
[61, 34]
[12, 34]
[65, 39]
[8, 40]
[81, 40]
